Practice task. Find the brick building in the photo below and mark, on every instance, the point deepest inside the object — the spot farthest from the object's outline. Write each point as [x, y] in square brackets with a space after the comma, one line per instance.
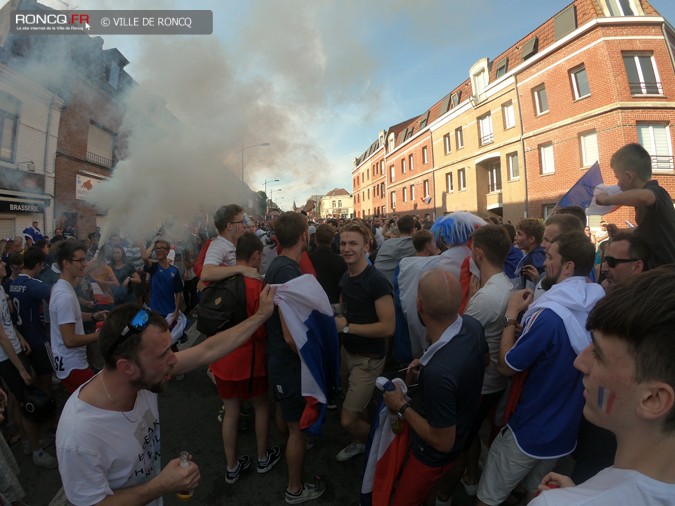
[525, 126]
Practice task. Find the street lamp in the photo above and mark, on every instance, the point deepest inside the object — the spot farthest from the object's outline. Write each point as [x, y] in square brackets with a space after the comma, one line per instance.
[272, 193]
[268, 181]
[242, 155]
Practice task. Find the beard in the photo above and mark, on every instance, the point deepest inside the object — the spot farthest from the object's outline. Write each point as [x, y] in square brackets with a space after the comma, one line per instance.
[142, 383]
[548, 282]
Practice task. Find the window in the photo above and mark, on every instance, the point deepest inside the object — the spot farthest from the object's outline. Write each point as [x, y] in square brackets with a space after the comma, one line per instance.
[423, 121]
[8, 123]
[502, 67]
[548, 210]
[459, 138]
[100, 146]
[368, 174]
[480, 81]
[546, 158]
[446, 143]
[643, 78]
[485, 130]
[494, 177]
[619, 8]
[509, 115]
[656, 140]
[461, 179]
[514, 168]
[425, 155]
[540, 100]
[391, 143]
[411, 162]
[340, 202]
[412, 192]
[404, 194]
[362, 177]
[454, 98]
[580, 83]
[382, 189]
[392, 174]
[334, 206]
[448, 183]
[426, 188]
[403, 166]
[381, 167]
[113, 74]
[393, 200]
[589, 148]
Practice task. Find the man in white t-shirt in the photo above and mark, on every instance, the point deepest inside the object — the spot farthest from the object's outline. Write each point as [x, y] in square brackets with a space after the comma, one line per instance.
[230, 221]
[629, 387]
[108, 439]
[69, 342]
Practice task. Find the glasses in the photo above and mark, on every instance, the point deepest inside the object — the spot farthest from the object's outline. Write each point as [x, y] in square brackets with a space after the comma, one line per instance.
[79, 260]
[613, 262]
[139, 322]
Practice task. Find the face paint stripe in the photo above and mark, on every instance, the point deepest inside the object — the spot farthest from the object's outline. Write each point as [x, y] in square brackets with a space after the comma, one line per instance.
[601, 397]
[610, 401]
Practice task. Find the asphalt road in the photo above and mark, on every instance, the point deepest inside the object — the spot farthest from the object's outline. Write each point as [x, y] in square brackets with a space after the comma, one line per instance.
[188, 411]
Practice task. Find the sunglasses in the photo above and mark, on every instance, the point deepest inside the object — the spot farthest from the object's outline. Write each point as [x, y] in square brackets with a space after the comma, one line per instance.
[613, 262]
[139, 322]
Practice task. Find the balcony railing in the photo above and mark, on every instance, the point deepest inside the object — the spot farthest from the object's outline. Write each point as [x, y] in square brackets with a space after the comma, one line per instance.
[645, 88]
[487, 139]
[99, 160]
[662, 162]
[494, 186]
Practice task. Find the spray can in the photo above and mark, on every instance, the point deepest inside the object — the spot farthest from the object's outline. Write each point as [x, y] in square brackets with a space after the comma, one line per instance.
[185, 495]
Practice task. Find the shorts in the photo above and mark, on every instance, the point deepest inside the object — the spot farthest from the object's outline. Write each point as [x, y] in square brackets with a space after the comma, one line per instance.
[41, 358]
[12, 377]
[359, 374]
[506, 466]
[76, 378]
[244, 389]
[417, 481]
[284, 376]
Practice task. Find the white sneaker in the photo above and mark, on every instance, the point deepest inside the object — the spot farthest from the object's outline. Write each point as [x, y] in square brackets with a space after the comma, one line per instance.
[350, 451]
[43, 459]
[309, 492]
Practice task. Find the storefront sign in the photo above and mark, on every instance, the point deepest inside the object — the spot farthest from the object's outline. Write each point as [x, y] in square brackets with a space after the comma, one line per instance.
[12, 206]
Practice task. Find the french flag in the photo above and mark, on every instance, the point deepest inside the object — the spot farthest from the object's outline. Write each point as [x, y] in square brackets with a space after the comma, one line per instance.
[385, 453]
[309, 318]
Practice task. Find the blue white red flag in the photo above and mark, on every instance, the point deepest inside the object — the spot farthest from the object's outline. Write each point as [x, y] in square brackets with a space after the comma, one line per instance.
[385, 453]
[581, 194]
[309, 317]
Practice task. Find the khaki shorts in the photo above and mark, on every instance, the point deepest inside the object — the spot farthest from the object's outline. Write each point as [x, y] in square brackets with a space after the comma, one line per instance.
[359, 373]
[506, 466]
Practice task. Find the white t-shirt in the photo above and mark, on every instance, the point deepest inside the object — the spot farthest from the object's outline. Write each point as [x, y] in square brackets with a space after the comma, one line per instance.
[611, 486]
[101, 450]
[8, 327]
[221, 252]
[488, 306]
[65, 308]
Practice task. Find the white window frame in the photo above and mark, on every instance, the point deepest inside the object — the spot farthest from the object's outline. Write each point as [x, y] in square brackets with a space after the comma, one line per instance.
[403, 165]
[425, 155]
[487, 135]
[427, 188]
[494, 177]
[461, 180]
[411, 162]
[449, 186]
[459, 137]
[640, 72]
[447, 144]
[589, 148]
[537, 95]
[393, 199]
[615, 5]
[657, 148]
[412, 192]
[392, 173]
[575, 83]
[404, 194]
[509, 162]
[546, 159]
[509, 115]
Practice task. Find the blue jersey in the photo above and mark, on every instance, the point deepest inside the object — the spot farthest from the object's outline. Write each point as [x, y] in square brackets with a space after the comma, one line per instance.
[164, 284]
[28, 296]
[546, 420]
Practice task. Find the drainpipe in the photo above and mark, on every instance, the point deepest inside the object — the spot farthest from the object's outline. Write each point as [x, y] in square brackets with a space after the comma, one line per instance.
[522, 146]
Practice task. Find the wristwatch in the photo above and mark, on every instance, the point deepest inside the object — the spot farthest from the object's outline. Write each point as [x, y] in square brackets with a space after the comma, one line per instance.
[509, 321]
[345, 329]
[401, 411]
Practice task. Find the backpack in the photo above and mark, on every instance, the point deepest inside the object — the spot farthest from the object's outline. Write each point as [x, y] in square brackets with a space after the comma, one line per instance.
[222, 305]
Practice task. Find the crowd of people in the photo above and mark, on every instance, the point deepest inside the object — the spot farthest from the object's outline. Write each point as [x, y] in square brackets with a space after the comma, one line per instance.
[556, 340]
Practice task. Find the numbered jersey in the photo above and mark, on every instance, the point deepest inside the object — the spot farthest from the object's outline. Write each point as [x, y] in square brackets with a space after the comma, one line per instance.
[7, 326]
[29, 296]
[64, 308]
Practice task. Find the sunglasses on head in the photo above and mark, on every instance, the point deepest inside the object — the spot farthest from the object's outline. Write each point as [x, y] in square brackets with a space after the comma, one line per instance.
[139, 322]
[613, 262]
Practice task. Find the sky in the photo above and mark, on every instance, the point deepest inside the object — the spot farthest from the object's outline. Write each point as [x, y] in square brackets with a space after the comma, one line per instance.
[317, 80]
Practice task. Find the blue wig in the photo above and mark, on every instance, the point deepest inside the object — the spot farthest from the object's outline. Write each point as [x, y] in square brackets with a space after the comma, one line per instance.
[456, 228]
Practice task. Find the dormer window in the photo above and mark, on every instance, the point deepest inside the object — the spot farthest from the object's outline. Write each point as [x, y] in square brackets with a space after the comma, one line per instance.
[479, 77]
